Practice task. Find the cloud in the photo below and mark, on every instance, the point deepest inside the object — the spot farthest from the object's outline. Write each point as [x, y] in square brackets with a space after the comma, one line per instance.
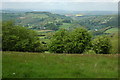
[0, 5]
[60, 1]
[74, 6]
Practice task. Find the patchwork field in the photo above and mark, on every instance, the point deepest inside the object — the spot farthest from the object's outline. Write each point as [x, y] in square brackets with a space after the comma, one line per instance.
[48, 65]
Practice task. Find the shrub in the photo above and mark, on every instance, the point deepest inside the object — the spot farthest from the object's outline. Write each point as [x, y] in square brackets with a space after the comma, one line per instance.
[101, 45]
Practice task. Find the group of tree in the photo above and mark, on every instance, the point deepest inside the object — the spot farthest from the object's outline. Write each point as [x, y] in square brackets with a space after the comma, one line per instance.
[98, 22]
[17, 38]
[78, 41]
[37, 19]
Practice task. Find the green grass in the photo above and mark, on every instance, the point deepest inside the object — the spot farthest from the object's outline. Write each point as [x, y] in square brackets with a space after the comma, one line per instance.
[48, 65]
[47, 33]
[42, 37]
[44, 31]
[36, 16]
[112, 30]
[114, 41]
[65, 25]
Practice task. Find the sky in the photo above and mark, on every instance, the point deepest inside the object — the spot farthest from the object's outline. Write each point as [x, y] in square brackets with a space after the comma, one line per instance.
[71, 5]
[60, 0]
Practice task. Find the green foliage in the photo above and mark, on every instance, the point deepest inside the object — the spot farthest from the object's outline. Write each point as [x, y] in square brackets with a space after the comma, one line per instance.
[57, 44]
[67, 21]
[70, 42]
[101, 45]
[16, 38]
[51, 26]
[78, 40]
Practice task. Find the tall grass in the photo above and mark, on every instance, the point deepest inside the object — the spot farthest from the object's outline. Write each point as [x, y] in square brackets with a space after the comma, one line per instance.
[48, 65]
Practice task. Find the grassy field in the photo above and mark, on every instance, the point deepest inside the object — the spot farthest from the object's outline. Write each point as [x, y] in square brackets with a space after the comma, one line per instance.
[36, 16]
[65, 25]
[114, 41]
[46, 33]
[48, 65]
[112, 30]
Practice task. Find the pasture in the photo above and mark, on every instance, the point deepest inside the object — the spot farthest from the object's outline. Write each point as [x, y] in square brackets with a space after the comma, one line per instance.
[65, 25]
[36, 16]
[49, 65]
[112, 30]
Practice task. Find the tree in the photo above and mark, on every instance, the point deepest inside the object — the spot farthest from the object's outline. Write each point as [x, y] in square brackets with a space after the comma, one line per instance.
[78, 40]
[101, 45]
[17, 38]
[51, 26]
[70, 42]
[67, 21]
[57, 41]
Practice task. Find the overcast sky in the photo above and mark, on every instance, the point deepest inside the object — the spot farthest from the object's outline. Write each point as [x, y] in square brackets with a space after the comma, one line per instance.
[74, 5]
[60, 0]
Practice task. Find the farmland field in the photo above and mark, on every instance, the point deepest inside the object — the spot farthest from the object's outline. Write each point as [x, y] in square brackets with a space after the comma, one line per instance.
[112, 30]
[37, 16]
[65, 25]
[48, 65]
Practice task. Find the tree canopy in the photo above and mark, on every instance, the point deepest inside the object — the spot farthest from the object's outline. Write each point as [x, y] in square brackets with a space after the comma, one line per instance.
[17, 38]
[70, 42]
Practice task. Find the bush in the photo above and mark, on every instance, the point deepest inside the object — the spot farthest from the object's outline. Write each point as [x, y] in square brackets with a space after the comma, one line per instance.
[57, 44]
[51, 26]
[16, 38]
[70, 42]
[77, 41]
[67, 21]
[101, 45]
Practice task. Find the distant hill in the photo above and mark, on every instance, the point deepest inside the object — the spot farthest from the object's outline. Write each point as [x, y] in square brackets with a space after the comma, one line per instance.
[36, 20]
[43, 20]
[86, 12]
